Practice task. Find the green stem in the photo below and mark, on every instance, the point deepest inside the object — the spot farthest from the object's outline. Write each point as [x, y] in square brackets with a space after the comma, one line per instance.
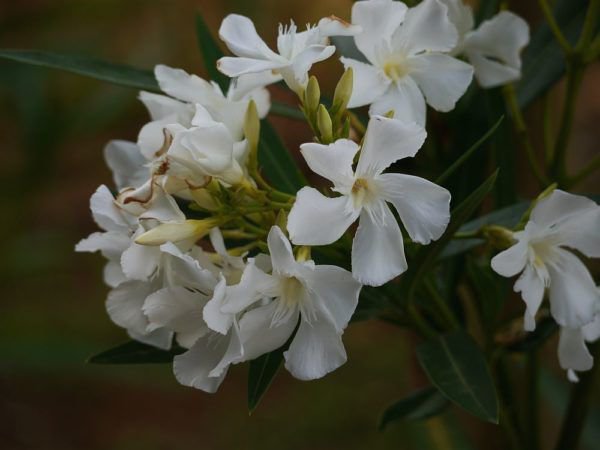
[547, 126]
[574, 77]
[357, 124]
[532, 399]
[579, 404]
[442, 305]
[556, 31]
[510, 98]
[589, 25]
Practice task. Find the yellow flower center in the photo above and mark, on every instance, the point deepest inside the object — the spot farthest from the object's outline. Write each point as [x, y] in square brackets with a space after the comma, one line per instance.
[396, 68]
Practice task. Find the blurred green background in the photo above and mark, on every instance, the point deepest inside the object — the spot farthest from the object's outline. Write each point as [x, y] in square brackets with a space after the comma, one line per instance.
[53, 127]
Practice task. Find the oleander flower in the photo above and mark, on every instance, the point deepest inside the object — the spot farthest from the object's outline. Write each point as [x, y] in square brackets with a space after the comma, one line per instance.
[408, 61]
[494, 48]
[542, 253]
[377, 249]
[297, 51]
[317, 299]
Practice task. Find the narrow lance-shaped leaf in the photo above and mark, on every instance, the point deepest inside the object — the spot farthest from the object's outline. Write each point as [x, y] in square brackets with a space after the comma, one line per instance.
[466, 155]
[277, 163]
[134, 352]
[261, 374]
[113, 73]
[456, 366]
[211, 52]
[419, 405]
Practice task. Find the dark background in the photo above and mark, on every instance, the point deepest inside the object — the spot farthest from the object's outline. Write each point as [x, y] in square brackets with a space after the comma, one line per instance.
[52, 129]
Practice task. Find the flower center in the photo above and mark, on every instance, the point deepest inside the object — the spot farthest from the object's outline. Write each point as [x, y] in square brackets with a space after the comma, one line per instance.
[396, 68]
[291, 291]
[362, 192]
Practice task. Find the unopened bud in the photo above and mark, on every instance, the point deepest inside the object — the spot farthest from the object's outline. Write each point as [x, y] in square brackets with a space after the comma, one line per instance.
[204, 199]
[252, 133]
[312, 96]
[499, 237]
[343, 92]
[176, 232]
[281, 221]
[325, 125]
[303, 253]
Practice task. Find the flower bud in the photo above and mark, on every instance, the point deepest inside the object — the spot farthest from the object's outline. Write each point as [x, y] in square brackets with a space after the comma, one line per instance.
[325, 125]
[252, 134]
[499, 237]
[204, 199]
[312, 96]
[343, 92]
[175, 232]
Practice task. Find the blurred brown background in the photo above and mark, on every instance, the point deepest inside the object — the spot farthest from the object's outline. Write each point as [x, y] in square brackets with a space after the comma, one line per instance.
[53, 127]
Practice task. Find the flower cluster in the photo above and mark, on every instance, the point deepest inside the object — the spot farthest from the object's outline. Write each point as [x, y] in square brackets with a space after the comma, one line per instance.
[192, 182]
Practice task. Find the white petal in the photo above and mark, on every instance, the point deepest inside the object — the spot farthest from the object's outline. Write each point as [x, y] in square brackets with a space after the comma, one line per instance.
[106, 214]
[461, 16]
[378, 20]
[235, 67]
[405, 99]
[369, 83]
[253, 286]
[151, 138]
[377, 249]
[591, 331]
[179, 310]
[511, 261]
[573, 294]
[241, 38]
[316, 350]
[334, 26]
[163, 209]
[423, 207]
[250, 86]
[185, 270]
[112, 244]
[281, 252]
[113, 274]
[259, 335]
[161, 338]
[333, 162]
[576, 217]
[213, 316]
[189, 88]
[193, 367]
[497, 45]
[126, 163]
[572, 351]
[442, 78]
[572, 376]
[336, 292]
[161, 107]
[531, 286]
[304, 61]
[319, 220]
[124, 305]
[386, 141]
[426, 27]
[140, 262]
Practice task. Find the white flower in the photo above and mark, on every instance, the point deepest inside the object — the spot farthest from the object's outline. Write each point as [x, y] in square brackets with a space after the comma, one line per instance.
[377, 250]
[181, 307]
[229, 108]
[494, 48]
[573, 354]
[408, 65]
[559, 222]
[297, 51]
[323, 298]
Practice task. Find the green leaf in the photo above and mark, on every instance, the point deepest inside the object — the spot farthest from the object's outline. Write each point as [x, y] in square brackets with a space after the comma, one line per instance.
[277, 163]
[261, 374]
[427, 256]
[211, 52]
[283, 110]
[456, 366]
[543, 59]
[466, 155]
[134, 352]
[90, 67]
[419, 405]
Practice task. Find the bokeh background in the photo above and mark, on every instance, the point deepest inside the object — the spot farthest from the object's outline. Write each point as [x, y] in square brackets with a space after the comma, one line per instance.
[53, 127]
